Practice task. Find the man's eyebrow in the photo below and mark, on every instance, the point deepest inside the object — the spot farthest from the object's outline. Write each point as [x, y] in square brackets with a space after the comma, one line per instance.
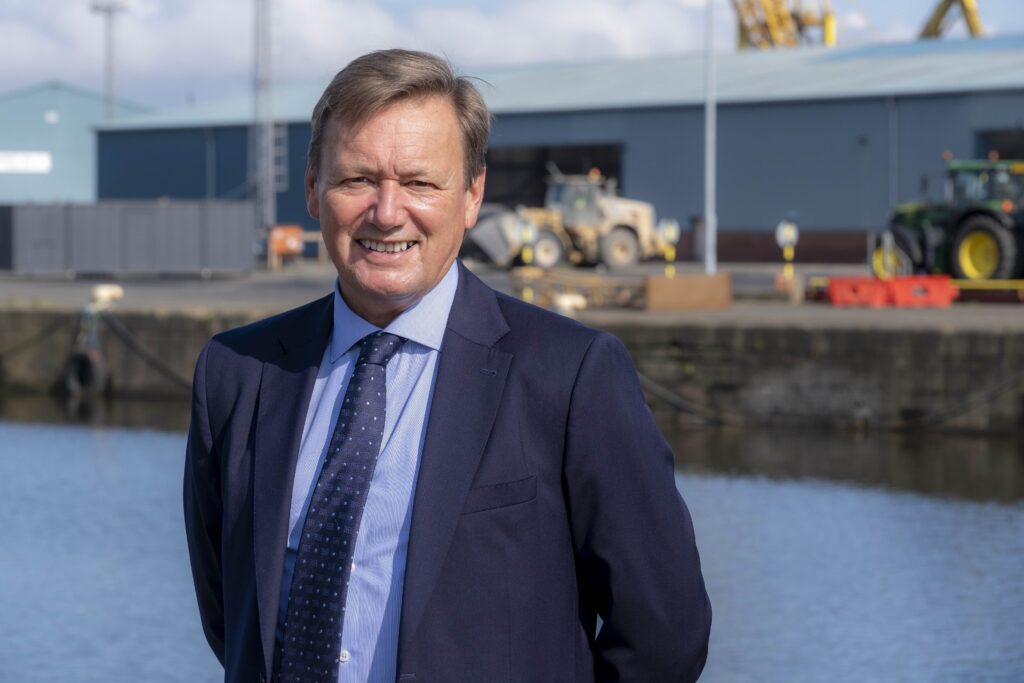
[351, 168]
[414, 172]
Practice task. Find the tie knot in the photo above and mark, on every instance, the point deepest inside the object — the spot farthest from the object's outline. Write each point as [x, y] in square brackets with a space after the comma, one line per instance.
[379, 348]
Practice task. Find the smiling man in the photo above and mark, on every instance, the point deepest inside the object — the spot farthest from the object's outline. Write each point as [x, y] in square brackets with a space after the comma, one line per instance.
[416, 478]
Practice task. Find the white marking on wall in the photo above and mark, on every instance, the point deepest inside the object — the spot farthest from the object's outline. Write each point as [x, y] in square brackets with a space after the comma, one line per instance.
[25, 162]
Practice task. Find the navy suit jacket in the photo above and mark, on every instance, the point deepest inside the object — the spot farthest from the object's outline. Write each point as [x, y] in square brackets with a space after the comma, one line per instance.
[545, 498]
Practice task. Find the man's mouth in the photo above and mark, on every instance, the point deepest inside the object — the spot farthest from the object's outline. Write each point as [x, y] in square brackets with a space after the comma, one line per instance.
[386, 247]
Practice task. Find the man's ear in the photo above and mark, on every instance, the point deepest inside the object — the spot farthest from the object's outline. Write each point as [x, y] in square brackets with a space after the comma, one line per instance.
[312, 198]
[475, 197]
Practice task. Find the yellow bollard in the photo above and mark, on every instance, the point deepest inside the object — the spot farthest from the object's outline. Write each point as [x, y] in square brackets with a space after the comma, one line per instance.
[788, 252]
[670, 258]
[529, 236]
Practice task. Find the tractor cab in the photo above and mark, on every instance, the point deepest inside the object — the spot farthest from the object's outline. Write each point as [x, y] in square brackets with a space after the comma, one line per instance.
[578, 197]
[996, 185]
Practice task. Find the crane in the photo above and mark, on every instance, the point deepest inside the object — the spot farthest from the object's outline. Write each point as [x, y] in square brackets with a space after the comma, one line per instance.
[936, 24]
[776, 23]
[764, 24]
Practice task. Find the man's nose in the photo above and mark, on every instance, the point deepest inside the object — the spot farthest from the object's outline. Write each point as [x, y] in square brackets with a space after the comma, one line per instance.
[388, 210]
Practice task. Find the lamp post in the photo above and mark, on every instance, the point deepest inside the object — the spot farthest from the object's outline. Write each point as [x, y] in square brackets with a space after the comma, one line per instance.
[710, 143]
[262, 132]
[109, 9]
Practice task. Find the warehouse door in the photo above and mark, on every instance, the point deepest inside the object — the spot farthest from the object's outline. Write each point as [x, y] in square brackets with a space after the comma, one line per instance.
[516, 175]
[1008, 144]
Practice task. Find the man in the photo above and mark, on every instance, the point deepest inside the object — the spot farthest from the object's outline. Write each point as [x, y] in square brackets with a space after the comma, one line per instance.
[416, 478]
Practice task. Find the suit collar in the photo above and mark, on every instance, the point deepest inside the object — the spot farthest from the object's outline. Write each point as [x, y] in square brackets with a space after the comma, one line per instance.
[475, 313]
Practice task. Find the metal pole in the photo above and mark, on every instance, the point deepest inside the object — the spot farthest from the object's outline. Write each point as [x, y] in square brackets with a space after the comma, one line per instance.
[263, 131]
[710, 143]
[108, 9]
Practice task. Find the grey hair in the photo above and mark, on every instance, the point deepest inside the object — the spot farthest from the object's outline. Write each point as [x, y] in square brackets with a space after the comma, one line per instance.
[377, 79]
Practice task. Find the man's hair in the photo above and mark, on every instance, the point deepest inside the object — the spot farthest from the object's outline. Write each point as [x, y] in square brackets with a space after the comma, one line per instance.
[377, 79]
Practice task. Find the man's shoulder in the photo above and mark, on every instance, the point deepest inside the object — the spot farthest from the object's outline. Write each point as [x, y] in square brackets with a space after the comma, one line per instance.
[537, 322]
[264, 336]
[553, 342]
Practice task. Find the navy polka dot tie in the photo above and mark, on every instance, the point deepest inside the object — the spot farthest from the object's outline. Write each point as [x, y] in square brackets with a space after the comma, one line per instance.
[316, 604]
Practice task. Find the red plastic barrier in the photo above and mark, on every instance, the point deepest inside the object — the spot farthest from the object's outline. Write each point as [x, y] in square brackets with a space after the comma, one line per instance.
[857, 291]
[922, 291]
[913, 291]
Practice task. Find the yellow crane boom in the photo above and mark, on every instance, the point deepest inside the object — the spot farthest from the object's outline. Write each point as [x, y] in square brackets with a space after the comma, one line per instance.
[765, 24]
[936, 24]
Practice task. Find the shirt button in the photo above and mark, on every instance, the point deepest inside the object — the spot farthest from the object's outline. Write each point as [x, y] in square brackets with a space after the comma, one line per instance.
[344, 656]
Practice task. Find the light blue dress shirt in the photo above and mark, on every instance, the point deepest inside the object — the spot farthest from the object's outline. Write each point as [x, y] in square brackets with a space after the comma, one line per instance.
[369, 641]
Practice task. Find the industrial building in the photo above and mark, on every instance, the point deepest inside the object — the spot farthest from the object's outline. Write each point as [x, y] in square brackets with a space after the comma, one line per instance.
[829, 138]
[48, 145]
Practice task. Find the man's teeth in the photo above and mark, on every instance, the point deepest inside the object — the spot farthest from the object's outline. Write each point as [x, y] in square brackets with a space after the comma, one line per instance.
[388, 247]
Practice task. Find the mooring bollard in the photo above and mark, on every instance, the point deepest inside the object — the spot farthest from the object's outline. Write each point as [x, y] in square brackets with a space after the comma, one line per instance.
[86, 373]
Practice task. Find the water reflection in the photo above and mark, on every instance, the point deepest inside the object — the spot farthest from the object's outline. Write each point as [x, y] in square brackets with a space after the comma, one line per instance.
[816, 581]
[964, 466]
[169, 415]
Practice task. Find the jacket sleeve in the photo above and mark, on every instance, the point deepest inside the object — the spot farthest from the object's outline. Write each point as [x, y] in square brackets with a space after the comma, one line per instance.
[636, 555]
[203, 513]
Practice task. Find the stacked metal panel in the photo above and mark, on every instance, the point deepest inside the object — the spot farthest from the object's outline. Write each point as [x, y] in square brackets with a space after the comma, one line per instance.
[128, 238]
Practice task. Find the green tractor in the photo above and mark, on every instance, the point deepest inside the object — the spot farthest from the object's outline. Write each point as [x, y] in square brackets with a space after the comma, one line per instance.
[977, 234]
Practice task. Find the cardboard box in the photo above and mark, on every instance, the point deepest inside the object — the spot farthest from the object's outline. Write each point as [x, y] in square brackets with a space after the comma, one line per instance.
[689, 291]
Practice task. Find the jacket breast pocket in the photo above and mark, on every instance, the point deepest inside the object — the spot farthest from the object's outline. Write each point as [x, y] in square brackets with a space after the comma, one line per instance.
[505, 494]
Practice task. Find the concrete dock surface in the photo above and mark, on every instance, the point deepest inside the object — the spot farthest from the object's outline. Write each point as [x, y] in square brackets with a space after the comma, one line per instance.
[755, 301]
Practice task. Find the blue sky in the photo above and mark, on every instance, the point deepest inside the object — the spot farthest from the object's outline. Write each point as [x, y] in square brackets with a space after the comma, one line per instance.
[171, 52]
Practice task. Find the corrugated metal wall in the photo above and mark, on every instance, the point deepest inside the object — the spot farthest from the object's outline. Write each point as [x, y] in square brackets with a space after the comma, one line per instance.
[834, 166]
[128, 237]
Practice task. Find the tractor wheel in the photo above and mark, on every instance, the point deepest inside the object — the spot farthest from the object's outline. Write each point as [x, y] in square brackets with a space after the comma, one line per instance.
[620, 249]
[984, 249]
[548, 251]
[899, 261]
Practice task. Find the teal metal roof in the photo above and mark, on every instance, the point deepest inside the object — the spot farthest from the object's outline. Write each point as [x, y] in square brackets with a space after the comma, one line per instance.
[52, 125]
[806, 73]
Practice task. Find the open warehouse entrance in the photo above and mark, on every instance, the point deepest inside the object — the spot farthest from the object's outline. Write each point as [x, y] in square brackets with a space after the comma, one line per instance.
[516, 175]
[1008, 144]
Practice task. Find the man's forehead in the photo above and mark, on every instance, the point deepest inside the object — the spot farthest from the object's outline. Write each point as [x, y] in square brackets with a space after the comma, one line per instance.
[337, 124]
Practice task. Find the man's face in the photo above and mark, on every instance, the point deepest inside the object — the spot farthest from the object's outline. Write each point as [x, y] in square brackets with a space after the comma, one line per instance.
[393, 204]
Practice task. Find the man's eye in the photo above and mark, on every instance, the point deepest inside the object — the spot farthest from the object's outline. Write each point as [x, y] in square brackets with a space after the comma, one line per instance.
[419, 183]
[356, 181]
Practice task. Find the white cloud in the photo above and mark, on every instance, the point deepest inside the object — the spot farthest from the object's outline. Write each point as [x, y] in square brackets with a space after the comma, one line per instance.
[170, 50]
[167, 50]
[855, 20]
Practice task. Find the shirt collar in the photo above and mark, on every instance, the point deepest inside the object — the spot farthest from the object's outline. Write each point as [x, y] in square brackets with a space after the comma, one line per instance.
[424, 322]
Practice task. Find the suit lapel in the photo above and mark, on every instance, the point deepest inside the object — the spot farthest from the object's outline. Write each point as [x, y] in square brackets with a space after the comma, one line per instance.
[470, 380]
[285, 388]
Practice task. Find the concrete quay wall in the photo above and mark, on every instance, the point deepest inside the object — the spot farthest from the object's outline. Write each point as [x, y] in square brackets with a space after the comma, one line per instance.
[693, 371]
[36, 344]
[949, 380]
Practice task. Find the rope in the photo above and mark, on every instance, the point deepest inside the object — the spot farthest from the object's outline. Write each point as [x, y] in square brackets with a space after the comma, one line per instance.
[154, 361]
[972, 401]
[25, 344]
[678, 402]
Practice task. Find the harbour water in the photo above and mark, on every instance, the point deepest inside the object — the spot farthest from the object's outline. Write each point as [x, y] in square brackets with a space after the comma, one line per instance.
[828, 557]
